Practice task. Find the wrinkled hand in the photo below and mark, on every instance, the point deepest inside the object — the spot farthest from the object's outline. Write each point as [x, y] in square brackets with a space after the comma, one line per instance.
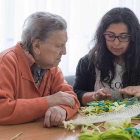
[102, 94]
[54, 116]
[131, 90]
[61, 98]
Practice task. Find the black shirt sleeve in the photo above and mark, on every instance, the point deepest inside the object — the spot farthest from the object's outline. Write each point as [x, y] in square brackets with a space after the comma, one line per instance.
[85, 78]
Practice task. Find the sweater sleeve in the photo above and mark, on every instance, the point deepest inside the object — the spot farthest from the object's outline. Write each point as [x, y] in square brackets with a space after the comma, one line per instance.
[85, 78]
[13, 109]
[59, 84]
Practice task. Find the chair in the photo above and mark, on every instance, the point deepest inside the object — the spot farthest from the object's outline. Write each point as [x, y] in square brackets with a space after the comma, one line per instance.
[70, 79]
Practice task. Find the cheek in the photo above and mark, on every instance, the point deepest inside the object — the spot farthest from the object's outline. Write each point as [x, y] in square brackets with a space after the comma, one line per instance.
[108, 45]
[56, 54]
[126, 48]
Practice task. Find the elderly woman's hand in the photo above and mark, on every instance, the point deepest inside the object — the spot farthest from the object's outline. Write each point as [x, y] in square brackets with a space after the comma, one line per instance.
[101, 94]
[54, 116]
[131, 90]
[61, 98]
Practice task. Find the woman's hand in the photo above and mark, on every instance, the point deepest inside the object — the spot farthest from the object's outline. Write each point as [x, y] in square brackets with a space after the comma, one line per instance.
[102, 94]
[61, 98]
[131, 90]
[54, 116]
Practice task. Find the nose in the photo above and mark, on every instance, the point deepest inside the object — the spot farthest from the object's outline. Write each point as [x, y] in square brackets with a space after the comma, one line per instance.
[63, 51]
[116, 41]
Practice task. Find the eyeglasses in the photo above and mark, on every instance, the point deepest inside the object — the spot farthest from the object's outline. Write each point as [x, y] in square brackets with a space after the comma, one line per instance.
[121, 38]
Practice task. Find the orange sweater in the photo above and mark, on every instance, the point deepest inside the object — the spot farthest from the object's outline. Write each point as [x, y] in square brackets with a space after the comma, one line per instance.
[20, 100]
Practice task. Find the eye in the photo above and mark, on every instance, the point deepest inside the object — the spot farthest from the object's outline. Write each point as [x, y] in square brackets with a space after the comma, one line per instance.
[123, 37]
[111, 36]
[58, 46]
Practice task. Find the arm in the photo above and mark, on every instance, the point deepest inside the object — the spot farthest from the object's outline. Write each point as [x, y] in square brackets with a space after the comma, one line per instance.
[59, 84]
[15, 109]
[63, 95]
[85, 81]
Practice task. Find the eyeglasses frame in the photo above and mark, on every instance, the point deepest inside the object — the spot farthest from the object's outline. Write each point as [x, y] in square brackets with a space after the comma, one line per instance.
[115, 37]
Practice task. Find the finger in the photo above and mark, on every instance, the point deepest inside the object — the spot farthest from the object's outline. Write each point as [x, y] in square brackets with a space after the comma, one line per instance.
[100, 92]
[52, 117]
[137, 95]
[57, 120]
[106, 91]
[62, 119]
[127, 91]
[121, 91]
[73, 103]
[66, 94]
[101, 95]
[109, 95]
[47, 119]
[69, 102]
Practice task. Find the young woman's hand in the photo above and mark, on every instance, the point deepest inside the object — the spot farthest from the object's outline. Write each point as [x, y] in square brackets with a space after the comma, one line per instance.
[102, 94]
[131, 90]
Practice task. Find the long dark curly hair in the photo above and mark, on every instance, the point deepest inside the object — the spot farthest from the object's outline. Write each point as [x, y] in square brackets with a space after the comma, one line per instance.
[103, 59]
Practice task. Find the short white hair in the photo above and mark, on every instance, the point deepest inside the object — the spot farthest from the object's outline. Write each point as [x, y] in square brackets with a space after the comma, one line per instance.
[40, 25]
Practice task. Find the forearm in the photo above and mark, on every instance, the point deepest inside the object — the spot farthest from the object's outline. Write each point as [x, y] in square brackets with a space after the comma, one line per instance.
[71, 111]
[22, 110]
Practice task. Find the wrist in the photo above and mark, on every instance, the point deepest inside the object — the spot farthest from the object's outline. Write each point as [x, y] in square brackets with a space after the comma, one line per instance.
[94, 97]
[88, 97]
[50, 101]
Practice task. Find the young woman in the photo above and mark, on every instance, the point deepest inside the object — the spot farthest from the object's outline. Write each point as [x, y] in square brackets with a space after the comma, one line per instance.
[111, 70]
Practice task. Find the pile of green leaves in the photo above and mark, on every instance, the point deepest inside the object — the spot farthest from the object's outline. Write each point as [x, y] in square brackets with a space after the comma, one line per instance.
[113, 134]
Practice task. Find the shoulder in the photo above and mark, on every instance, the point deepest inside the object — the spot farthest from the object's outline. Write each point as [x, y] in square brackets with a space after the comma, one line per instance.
[8, 56]
[84, 63]
[85, 59]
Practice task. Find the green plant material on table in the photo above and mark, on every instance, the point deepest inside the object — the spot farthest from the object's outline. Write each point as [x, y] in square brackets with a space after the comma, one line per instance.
[113, 134]
[123, 123]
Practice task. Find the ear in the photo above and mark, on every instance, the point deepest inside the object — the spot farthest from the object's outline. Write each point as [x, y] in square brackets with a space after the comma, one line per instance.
[36, 46]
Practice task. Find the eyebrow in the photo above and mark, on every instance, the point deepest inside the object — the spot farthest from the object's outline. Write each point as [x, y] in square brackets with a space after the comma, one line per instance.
[114, 33]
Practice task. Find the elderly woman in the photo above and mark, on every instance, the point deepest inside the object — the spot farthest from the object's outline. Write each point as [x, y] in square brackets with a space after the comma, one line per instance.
[31, 84]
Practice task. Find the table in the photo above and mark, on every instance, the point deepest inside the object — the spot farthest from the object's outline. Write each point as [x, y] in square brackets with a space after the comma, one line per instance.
[35, 131]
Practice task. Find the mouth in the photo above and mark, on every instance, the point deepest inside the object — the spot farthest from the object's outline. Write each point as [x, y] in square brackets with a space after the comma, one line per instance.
[59, 59]
[116, 49]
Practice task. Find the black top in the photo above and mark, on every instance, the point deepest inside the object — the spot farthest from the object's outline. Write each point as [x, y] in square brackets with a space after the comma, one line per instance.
[85, 78]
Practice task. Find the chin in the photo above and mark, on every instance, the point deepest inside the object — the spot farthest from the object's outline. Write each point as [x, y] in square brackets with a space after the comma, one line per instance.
[46, 67]
[117, 53]
[50, 66]
[56, 65]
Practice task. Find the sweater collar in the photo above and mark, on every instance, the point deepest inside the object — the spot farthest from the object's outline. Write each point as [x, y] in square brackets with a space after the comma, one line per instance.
[23, 63]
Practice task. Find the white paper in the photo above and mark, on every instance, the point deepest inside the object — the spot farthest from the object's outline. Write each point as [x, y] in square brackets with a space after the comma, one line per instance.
[127, 112]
